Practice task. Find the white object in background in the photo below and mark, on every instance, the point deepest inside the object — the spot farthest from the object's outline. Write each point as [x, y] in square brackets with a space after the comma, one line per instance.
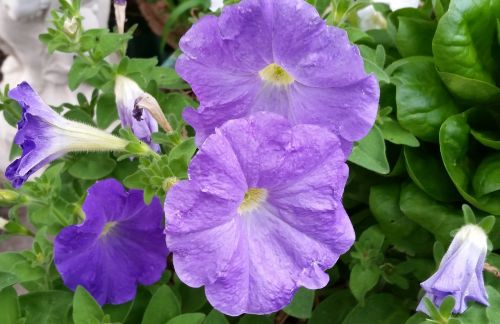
[216, 5]
[21, 22]
[369, 18]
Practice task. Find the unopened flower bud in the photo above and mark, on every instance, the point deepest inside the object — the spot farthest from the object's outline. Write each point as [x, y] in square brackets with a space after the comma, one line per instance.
[120, 14]
[71, 26]
[460, 272]
[8, 196]
[148, 102]
[3, 223]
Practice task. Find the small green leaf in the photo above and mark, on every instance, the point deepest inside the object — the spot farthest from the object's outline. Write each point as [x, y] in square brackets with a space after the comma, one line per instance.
[7, 280]
[370, 152]
[189, 318]
[215, 317]
[46, 307]
[85, 308]
[362, 280]
[469, 216]
[447, 306]
[393, 132]
[162, 307]
[487, 223]
[302, 304]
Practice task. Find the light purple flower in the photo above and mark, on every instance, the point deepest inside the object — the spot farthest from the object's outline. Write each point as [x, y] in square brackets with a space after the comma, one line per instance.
[127, 92]
[45, 136]
[460, 272]
[261, 213]
[277, 56]
[119, 245]
[120, 2]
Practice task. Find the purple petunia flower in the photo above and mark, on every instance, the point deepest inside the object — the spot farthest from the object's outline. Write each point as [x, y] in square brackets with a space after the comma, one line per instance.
[119, 245]
[45, 136]
[460, 272]
[127, 93]
[277, 56]
[261, 213]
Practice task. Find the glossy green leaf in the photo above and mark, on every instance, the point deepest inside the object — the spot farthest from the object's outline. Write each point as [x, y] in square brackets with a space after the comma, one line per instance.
[423, 103]
[438, 218]
[106, 110]
[426, 169]
[393, 132]
[370, 152]
[163, 306]
[85, 308]
[486, 179]
[462, 48]
[302, 304]
[414, 35]
[459, 163]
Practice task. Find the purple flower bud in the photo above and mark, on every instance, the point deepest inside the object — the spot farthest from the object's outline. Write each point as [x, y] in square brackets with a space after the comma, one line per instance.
[460, 272]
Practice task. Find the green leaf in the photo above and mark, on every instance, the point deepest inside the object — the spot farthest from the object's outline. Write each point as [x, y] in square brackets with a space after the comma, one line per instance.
[370, 152]
[493, 311]
[162, 307]
[9, 306]
[462, 48]
[85, 308]
[18, 264]
[423, 103]
[180, 156]
[447, 306]
[47, 307]
[302, 304]
[487, 223]
[426, 169]
[380, 309]
[255, 319]
[92, 166]
[362, 280]
[81, 71]
[486, 179]
[460, 163]
[469, 216]
[414, 32]
[371, 66]
[7, 280]
[106, 111]
[192, 299]
[79, 115]
[190, 318]
[393, 132]
[334, 308]
[215, 317]
[438, 218]
[397, 227]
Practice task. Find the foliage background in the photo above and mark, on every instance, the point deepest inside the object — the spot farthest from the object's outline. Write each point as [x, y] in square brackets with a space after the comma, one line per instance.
[435, 147]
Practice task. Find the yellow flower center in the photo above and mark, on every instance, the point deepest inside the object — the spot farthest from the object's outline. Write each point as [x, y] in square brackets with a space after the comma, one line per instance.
[253, 198]
[107, 228]
[275, 74]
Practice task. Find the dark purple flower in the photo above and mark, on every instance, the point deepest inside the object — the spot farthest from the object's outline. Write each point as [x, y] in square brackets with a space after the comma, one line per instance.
[119, 245]
[127, 92]
[261, 213]
[45, 136]
[460, 272]
[277, 56]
